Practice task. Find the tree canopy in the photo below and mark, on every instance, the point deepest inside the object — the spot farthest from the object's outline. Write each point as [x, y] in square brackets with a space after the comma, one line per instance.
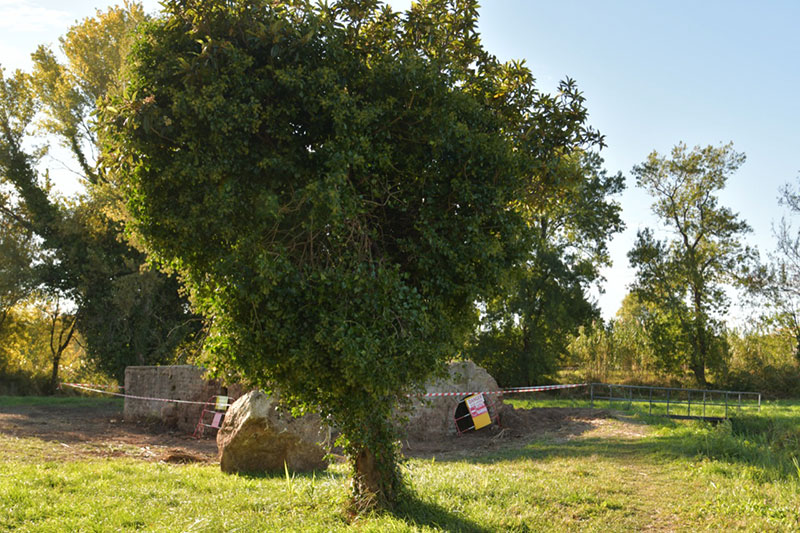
[684, 277]
[336, 185]
[525, 331]
[777, 283]
[126, 312]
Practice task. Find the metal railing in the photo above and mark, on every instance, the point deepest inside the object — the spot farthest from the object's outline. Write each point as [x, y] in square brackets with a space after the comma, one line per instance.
[676, 403]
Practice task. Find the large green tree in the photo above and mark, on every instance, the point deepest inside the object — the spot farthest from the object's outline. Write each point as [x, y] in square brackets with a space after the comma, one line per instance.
[526, 330]
[126, 312]
[336, 184]
[683, 278]
[18, 250]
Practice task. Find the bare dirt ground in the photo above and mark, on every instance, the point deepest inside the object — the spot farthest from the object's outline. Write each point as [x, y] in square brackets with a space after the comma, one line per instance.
[517, 427]
[100, 431]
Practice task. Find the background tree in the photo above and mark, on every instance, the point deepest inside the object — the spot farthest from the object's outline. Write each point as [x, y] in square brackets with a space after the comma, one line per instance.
[683, 278]
[634, 352]
[17, 252]
[762, 359]
[127, 313]
[526, 331]
[592, 352]
[61, 328]
[777, 283]
[336, 184]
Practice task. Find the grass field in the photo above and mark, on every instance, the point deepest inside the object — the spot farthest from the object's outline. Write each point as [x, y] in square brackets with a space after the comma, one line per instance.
[628, 473]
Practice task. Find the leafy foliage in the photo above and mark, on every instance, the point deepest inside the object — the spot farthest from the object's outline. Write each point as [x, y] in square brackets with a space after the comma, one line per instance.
[36, 343]
[762, 359]
[683, 278]
[335, 184]
[776, 284]
[526, 330]
[17, 253]
[127, 314]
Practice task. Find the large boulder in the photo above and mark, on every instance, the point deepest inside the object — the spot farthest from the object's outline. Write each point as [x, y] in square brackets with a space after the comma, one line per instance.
[431, 418]
[259, 436]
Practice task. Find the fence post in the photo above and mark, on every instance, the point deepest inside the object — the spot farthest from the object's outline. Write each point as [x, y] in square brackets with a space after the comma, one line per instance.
[591, 395]
[726, 405]
[689, 404]
[650, 407]
[704, 404]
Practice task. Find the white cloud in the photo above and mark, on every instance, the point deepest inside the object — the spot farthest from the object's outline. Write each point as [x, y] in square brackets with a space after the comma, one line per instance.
[30, 16]
[13, 58]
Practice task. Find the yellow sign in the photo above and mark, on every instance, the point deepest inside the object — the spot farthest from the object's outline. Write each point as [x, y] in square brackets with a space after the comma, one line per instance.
[221, 404]
[478, 411]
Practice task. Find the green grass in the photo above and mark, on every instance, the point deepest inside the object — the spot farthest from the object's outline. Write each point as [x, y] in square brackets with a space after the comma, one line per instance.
[683, 476]
[679, 404]
[62, 401]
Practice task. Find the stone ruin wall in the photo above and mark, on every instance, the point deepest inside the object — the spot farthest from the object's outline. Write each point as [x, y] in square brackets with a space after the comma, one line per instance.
[176, 382]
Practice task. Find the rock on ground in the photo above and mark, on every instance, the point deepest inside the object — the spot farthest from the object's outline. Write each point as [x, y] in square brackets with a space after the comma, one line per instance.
[432, 418]
[259, 436]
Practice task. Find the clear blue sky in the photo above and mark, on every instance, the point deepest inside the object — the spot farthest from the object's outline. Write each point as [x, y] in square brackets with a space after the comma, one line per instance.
[653, 73]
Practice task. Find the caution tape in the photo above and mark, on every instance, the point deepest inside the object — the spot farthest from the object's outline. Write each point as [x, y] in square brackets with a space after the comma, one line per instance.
[514, 390]
[78, 386]
[95, 385]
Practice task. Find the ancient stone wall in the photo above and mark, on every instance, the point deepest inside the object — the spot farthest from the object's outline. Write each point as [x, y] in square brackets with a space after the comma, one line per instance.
[177, 382]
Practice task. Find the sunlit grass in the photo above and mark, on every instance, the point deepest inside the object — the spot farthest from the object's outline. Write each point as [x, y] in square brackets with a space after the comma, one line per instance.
[62, 401]
[686, 476]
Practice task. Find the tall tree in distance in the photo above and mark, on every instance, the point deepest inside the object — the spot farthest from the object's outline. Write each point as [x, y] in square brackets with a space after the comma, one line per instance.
[526, 330]
[336, 184]
[778, 282]
[126, 312]
[684, 277]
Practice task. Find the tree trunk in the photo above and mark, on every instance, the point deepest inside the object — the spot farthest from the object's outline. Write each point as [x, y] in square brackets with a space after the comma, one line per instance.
[525, 365]
[699, 370]
[376, 480]
[53, 386]
[57, 346]
[700, 355]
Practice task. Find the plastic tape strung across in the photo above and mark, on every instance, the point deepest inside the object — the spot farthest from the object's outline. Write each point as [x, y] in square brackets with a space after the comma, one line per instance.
[503, 391]
[76, 386]
[93, 385]
[516, 390]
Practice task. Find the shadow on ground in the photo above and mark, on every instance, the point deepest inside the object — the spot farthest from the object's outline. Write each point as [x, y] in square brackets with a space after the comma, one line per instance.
[700, 440]
[421, 514]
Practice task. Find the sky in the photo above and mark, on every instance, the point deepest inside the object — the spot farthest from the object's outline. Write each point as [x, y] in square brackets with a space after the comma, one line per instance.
[653, 74]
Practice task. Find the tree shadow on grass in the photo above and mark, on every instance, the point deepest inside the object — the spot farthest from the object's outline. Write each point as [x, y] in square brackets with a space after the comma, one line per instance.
[420, 514]
[707, 443]
[411, 509]
[322, 473]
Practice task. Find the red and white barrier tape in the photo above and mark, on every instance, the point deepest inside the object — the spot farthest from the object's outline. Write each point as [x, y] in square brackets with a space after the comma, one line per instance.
[515, 390]
[95, 385]
[78, 386]
[502, 391]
